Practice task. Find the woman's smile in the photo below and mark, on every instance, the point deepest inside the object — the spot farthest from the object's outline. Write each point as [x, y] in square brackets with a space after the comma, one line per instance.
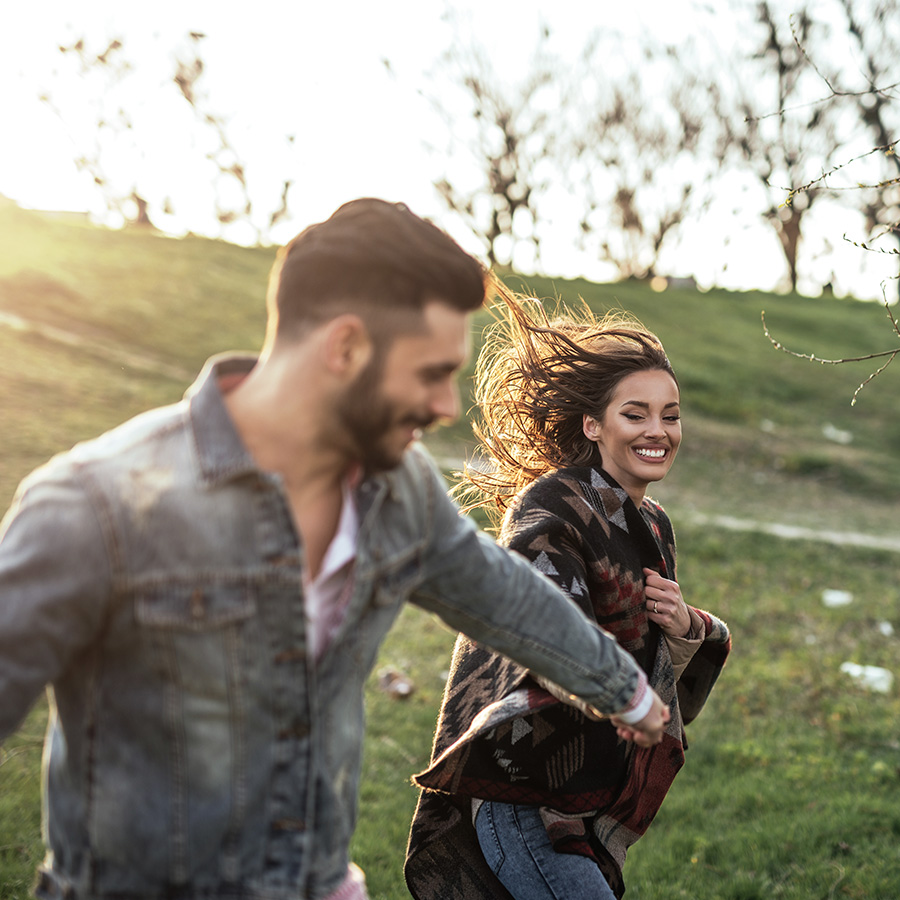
[640, 431]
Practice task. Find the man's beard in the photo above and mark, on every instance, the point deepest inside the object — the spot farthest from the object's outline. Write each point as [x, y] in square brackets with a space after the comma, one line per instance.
[367, 417]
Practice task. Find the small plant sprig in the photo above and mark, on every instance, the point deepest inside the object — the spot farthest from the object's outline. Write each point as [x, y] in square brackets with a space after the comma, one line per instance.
[847, 359]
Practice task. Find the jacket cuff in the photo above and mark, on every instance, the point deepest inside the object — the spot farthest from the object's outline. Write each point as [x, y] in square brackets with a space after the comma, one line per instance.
[640, 703]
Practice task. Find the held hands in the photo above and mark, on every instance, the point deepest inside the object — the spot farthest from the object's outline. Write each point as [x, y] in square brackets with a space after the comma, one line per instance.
[665, 605]
[649, 730]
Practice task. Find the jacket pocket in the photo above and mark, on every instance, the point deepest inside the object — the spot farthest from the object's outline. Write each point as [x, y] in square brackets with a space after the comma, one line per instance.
[172, 745]
[194, 607]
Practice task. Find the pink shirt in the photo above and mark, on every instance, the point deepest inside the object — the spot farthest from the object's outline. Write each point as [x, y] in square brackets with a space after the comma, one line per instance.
[328, 594]
[326, 598]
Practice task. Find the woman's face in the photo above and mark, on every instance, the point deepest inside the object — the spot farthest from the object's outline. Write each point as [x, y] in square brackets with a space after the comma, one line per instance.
[639, 434]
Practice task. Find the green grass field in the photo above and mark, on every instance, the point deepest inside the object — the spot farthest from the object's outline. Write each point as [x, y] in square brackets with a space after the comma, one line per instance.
[792, 784]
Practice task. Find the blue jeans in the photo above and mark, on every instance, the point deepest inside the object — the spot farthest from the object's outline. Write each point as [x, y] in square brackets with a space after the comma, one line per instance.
[517, 849]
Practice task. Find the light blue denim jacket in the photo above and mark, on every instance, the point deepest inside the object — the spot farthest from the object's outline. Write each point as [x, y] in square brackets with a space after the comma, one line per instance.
[152, 577]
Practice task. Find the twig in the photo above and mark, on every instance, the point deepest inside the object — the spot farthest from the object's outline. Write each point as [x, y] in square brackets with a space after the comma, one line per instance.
[835, 92]
[864, 246]
[836, 362]
[886, 148]
[390, 742]
[872, 377]
[825, 362]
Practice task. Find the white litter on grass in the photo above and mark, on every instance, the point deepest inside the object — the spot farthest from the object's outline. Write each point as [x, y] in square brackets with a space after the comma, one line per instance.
[872, 677]
[886, 628]
[831, 597]
[395, 683]
[836, 434]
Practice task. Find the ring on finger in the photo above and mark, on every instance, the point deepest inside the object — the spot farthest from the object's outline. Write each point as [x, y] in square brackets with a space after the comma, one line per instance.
[656, 606]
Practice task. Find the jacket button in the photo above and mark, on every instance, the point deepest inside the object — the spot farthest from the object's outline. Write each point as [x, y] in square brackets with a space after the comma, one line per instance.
[198, 609]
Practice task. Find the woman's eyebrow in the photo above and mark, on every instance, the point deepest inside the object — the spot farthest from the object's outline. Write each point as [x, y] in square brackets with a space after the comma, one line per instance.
[645, 405]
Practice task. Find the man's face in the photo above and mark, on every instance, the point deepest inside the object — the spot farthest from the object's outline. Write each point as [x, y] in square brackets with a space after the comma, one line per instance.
[413, 387]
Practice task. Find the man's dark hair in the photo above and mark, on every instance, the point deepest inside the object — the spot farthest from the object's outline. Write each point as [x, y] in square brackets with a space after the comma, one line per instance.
[373, 258]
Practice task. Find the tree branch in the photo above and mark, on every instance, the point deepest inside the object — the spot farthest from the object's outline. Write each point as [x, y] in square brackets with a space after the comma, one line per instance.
[835, 362]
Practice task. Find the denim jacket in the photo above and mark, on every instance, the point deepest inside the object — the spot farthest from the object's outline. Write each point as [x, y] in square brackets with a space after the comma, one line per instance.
[152, 577]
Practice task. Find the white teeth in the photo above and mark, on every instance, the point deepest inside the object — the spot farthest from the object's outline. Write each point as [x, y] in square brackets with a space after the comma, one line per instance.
[651, 454]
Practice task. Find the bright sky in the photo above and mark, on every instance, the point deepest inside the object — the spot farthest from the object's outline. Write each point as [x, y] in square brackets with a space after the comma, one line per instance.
[316, 71]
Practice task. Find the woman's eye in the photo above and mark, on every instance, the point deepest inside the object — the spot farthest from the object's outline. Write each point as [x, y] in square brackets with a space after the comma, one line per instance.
[632, 417]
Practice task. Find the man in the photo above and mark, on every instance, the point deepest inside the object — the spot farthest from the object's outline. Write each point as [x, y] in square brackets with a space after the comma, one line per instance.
[205, 588]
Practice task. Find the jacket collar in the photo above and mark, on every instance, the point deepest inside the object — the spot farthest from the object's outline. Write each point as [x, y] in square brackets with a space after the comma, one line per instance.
[612, 497]
[221, 453]
[621, 510]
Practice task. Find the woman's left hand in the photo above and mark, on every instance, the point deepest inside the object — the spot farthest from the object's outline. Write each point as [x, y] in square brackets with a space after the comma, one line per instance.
[665, 605]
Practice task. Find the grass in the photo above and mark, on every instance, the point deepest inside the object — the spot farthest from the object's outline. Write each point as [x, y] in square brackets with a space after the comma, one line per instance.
[792, 787]
[792, 781]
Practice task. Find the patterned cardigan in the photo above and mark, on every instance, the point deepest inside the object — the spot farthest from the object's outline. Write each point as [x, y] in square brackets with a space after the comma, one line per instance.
[501, 736]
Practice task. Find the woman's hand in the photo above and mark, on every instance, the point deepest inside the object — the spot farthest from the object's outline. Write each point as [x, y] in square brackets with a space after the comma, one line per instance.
[665, 605]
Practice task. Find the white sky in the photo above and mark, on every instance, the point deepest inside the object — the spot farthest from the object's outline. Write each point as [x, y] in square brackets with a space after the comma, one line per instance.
[316, 70]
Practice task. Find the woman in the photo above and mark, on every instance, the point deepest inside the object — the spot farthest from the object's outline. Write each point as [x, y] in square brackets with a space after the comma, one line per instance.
[529, 794]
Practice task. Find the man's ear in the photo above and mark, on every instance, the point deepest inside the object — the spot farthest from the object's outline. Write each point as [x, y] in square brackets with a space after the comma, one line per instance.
[347, 346]
[591, 427]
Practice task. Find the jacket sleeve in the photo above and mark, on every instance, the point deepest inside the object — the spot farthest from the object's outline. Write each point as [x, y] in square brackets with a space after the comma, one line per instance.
[495, 597]
[682, 649]
[54, 581]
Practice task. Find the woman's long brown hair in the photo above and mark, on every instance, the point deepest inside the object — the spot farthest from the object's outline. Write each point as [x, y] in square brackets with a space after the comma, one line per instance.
[537, 375]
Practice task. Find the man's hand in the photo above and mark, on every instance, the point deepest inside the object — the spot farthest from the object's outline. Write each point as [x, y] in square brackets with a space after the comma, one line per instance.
[649, 730]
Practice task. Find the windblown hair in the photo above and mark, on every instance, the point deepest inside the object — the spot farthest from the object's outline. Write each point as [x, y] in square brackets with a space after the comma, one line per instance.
[535, 379]
[373, 258]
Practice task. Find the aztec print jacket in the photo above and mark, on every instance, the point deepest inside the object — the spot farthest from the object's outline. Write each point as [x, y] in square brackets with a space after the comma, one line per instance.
[500, 736]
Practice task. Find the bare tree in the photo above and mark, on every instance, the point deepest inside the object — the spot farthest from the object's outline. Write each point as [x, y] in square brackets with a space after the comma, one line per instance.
[784, 139]
[189, 69]
[630, 169]
[507, 130]
[105, 79]
[111, 69]
[874, 31]
[874, 35]
[642, 160]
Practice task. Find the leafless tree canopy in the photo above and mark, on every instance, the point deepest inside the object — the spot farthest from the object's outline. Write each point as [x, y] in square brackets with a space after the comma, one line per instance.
[873, 33]
[582, 129]
[782, 138]
[104, 79]
[511, 135]
[629, 141]
[645, 151]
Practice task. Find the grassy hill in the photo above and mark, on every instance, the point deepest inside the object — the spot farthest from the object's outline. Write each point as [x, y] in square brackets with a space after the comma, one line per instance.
[755, 418]
[123, 321]
[792, 788]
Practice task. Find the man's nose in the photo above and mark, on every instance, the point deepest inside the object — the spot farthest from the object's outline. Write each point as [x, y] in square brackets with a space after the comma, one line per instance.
[445, 403]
